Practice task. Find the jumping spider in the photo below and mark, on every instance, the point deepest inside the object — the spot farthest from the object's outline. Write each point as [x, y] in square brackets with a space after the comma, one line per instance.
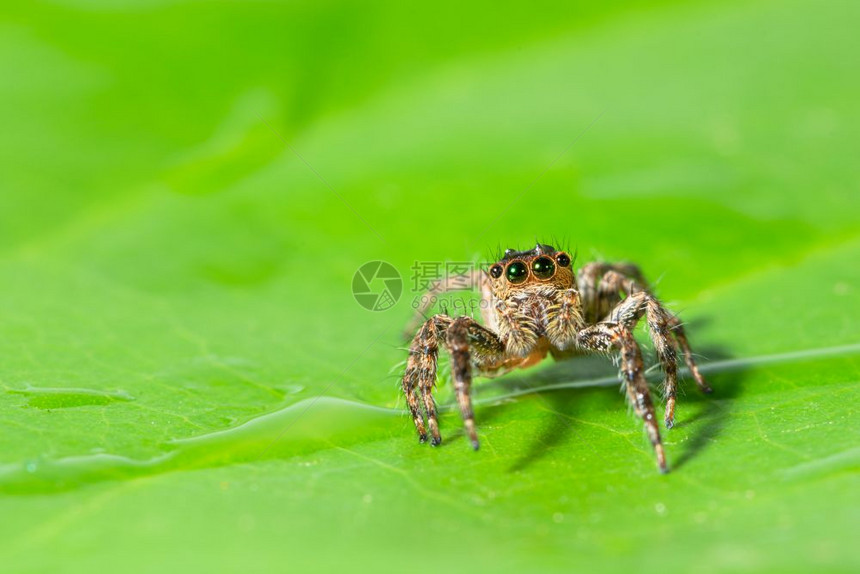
[533, 303]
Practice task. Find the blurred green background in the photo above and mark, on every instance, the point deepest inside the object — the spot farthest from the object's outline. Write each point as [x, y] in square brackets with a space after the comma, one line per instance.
[186, 189]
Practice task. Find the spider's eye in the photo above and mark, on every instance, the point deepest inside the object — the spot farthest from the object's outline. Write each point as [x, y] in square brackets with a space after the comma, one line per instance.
[543, 267]
[563, 259]
[517, 272]
[496, 271]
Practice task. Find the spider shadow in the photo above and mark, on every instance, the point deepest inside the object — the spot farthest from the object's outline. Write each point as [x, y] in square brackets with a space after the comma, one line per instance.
[714, 410]
[594, 380]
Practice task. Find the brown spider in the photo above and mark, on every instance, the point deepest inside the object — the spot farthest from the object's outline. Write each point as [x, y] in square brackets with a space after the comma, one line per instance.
[532, 304]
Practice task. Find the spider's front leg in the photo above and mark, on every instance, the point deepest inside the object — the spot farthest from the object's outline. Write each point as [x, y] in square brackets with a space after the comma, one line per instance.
[663, 326]
[606, 336]
[468, 342]
[420, 376]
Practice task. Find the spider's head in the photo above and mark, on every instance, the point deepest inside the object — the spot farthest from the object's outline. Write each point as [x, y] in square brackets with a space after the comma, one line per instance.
[541, 266]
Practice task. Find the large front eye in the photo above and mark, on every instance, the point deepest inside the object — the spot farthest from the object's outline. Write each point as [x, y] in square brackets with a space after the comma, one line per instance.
[517, 272]
[543, 267]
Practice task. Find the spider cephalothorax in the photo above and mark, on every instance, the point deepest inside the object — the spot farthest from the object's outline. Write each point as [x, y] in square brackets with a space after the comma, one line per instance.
[534, 304]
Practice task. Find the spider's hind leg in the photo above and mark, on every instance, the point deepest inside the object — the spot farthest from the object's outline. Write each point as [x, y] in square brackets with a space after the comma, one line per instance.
[681, 336]
[599, 296]
[447, 284]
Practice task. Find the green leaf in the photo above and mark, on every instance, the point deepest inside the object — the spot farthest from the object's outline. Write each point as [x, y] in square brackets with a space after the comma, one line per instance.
[188, 190]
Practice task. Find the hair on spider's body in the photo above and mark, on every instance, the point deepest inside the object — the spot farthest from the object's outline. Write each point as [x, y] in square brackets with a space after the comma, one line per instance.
[534, 304]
